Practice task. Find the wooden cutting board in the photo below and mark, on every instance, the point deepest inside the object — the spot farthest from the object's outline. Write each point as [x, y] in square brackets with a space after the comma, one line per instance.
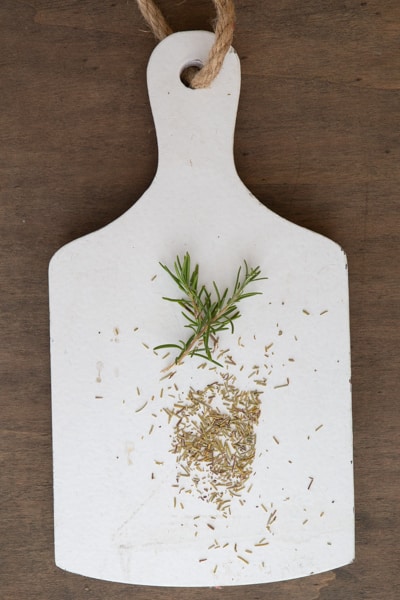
[126, 506]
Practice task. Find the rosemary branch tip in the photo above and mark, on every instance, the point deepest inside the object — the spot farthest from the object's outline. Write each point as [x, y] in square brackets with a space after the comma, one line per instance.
[206, 313]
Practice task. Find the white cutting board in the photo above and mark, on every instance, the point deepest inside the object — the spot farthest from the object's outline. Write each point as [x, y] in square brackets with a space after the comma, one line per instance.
[117, 514]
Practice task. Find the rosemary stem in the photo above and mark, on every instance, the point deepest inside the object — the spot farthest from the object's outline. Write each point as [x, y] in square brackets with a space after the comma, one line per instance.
[206, 316]
[199, 335]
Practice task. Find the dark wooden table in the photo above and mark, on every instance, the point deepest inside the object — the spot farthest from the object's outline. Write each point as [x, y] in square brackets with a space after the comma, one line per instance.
[317, 141]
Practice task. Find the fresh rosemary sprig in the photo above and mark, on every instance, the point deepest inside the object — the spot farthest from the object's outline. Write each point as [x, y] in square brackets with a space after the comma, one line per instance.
[206, 314]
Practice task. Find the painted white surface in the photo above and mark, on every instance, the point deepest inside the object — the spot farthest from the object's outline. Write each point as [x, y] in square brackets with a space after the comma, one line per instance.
[114, 519]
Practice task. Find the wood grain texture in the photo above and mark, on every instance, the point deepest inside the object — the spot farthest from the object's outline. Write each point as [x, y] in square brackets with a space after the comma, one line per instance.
[317, 141]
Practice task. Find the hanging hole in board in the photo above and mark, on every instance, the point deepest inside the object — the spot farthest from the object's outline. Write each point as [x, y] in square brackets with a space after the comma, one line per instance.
[189, 71]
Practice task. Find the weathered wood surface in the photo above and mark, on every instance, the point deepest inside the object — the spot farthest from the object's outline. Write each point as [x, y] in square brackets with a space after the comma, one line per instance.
[317, 141]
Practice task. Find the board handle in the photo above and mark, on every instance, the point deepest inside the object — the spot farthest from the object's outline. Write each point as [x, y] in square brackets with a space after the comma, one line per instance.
[194, 127]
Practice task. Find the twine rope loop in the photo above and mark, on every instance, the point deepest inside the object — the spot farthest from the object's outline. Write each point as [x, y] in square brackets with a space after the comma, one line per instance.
[224, 28]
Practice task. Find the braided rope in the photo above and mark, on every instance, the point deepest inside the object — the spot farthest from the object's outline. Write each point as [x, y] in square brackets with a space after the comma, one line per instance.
[224, 28]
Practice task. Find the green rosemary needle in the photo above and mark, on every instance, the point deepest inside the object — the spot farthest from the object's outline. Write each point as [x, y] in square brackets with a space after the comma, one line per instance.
[206, 313]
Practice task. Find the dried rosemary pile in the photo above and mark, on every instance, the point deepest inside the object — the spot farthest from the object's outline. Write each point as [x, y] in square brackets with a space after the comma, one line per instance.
[215, 439]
